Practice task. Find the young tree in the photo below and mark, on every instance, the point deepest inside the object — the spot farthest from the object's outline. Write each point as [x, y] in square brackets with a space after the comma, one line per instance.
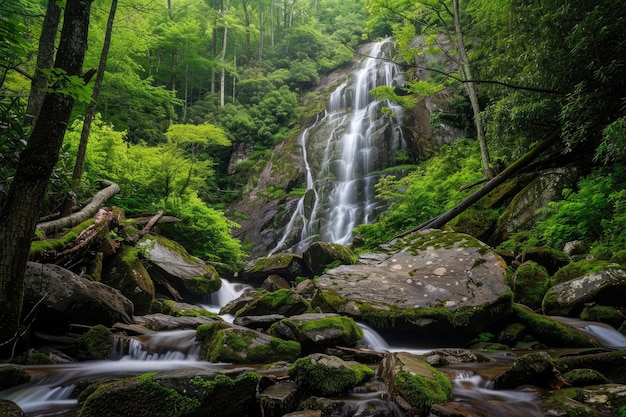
[21, 209]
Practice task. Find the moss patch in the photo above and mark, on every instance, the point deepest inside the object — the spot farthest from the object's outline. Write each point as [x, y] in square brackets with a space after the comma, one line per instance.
[97, 343]
[39, 247]
[422, 392]
[582, 268]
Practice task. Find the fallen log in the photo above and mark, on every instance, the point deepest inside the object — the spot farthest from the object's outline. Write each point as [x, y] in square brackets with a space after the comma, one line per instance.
[147, 227]
[98, 200]
[439, 221]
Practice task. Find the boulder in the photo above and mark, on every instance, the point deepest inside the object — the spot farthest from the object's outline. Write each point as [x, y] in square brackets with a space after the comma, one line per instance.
[606, 287]
[287, 265]
[596, 400]
[549, 258]
[275, 282]
[223, 342]
[531, 369]
[10, 409]
[320, 255]
[128, 274]
[12, 375]
[260, 323]
[284, 301]
[159, 322]
[182, 392]
[530, 283]
[438, 283]
[181, 274]
[317, 331]
[68, 298]
[413, 384]
[280, 399]
[327, 375]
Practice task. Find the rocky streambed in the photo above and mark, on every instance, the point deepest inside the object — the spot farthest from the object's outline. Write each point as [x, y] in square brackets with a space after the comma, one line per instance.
[468, 332]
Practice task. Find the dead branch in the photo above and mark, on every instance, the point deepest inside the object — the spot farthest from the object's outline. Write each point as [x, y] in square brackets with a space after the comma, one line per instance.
[147, 227]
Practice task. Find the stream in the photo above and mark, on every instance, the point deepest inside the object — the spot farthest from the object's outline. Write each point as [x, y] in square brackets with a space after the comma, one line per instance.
[51, 391]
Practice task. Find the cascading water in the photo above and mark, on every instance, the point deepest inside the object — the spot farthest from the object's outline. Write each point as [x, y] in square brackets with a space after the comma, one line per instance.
[343, 153]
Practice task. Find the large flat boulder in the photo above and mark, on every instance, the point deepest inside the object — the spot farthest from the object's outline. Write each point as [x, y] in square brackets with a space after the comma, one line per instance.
[430, 280]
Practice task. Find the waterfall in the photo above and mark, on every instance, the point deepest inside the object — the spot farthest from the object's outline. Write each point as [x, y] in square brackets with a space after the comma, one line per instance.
[343, 153]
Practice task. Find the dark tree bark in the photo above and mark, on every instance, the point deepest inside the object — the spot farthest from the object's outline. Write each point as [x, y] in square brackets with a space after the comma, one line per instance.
[25, 198]
[45, 59]
[79, 165]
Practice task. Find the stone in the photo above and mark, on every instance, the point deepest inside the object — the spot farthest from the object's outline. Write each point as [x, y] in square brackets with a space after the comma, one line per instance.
[10, 409]
[317, 331]
[68, 298]
[287, 265]
[606, 287]
[280, 399]
[275, 282]
[531, 369]
[447, 282]
[321, 254]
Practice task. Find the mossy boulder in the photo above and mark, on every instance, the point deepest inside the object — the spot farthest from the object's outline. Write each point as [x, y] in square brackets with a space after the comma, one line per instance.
[178, 393]
[127, 273]
[611, 315]
[223, 342]
[591, 401]
[436, 283]
[12, 375]
[610, 364]
[584, 377]
[175, 309]
[284, 301]
[413, 384]
[604, 287]
[186, 274]
[321, 255]
[318, 331]
[327, 375]
[530, 283]
[534, 368]
[550, 258]
[581, 268]
[96, 343]
[287, 265]
[549, 331]
[10, 409]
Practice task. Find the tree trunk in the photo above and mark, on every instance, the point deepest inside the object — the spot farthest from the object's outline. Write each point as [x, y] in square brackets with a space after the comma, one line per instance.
[466, 72]
[223, 58]
[79, 165]
[25, 198]
[45, 59]
[439, 221]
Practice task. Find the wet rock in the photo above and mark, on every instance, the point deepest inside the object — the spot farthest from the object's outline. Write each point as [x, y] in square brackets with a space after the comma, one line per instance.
[597, 400]
[606, 287]
[287, 265]
[275, 282]
[413, 384]
[12, 375]
[317, 331]
[610, 364]
[181, 273]
[585, 377]
[305, 413]
[531, 369]
[440, 283]
[127, 273]
[68, 298]
[157, 322]
[326, 375]
[261, 323]
[182, 392]
[223, 342]
[10, 409]
[320, 255]
[280, 399]
[445, 357]
[284, 301]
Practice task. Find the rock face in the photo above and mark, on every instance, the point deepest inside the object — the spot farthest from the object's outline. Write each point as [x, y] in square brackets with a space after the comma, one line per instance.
[69, 298]
[181, 273]
[606, 287]
[433, 279]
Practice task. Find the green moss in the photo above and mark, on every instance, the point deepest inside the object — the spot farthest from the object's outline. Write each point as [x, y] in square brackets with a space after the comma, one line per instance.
[582, 268]
[531, 282]
[174, 247]
[550, 331]
[210, 386]
[585, 377]
[619, 257]
[11, 376]
[97, 342]
[422, 392]
[277, 350]
[437, 239]
[347, 325]
[169, 307]
[324, 380]
[605, 314]
[39, 247]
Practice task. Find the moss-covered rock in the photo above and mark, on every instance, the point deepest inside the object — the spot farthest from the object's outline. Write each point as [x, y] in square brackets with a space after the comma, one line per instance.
[32, 357]
[97, 343]
[534, 368]
[592, 401]
[10, 409]
[175, 309]
[321, 255]
[317, 331]
[287, 265]
[610, 315]
[550, 258]
[284, 301]
[610, 364]
[12, 375]
[550, 331]
[530, 283]
[413, 383]
[127, 273]
[222, 342]
[581, 268]
[328, 375]
[179, 393]
[584, 377]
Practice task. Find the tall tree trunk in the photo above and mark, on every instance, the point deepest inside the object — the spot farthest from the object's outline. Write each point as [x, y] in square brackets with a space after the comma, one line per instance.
[25, 198]
[466, 72]
[45, 59]
[223, 59]
[79, 165]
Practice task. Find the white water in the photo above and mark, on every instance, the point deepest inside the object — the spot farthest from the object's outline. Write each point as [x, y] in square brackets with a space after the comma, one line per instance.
[342, 153]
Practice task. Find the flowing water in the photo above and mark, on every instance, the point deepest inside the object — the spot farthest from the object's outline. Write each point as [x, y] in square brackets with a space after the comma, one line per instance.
[51, 391]
[343, 153]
